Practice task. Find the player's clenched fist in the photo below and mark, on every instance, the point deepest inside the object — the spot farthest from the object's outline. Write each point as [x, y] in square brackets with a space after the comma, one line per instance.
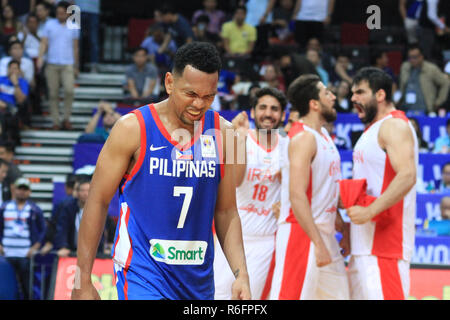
[359, 215]
[240, 290]
[241, 123]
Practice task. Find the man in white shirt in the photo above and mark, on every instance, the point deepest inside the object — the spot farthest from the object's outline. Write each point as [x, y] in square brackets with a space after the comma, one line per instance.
[62, 62]
[26, 64]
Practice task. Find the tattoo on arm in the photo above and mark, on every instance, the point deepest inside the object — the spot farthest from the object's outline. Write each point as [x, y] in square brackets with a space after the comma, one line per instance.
[236, 273]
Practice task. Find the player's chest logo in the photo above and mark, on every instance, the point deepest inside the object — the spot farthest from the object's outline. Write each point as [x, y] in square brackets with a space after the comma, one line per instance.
[208, 146]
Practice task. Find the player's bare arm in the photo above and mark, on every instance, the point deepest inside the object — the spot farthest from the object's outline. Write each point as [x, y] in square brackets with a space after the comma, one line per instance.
[241, 126]
[115, 159]
[228, 225]
[302, 149]
[395, 138]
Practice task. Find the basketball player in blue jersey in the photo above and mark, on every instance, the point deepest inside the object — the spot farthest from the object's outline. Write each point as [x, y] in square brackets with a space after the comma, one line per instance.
[168, 161]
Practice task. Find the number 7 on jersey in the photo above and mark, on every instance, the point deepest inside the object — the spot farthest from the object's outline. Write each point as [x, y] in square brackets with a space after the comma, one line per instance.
[187, 191]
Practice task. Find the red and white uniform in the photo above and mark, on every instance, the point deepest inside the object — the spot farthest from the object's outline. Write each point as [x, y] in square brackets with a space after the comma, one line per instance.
[381, 251]
[259, 190]
[296, 274]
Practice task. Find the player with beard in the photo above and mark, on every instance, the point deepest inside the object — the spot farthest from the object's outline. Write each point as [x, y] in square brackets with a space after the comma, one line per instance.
[258, 188]
[386, 155]
[309, 263]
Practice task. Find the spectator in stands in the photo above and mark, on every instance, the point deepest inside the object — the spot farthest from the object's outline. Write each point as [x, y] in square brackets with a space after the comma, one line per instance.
[294, 115]
[430, 25]
[423, 145]
[69, 219]
[26, 64]
[9, 24]
[141, 79]
[177, 25]
[292, 65]
[22, 7]
[30, 38]
[238, 36]
[314, 57]
[343, 103]
[445, 208]
[22, 231]
[281, 18]
[14, 173]
[5, 191]
[272, 77]
[410, 11]
[49, 240]
[444, 186]
[62, 63]
[343, 69]
[110, 117]
[326, 60]
[259, 16]
[423, 86]
[43, 13]
[90, 23]
[441, 227]
[442, 144]
[380, 59]
[202, 34]
[161, 48]
[311, 17]
[216, 16]
[13, 94]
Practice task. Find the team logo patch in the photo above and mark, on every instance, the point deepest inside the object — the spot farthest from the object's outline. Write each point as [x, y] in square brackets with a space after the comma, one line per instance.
[184, 155]
[208, 146]
[178, 252]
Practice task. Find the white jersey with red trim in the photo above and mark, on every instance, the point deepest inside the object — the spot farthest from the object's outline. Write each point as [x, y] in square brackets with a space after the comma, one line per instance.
[323, 188]
[260, 188]
[392, 236]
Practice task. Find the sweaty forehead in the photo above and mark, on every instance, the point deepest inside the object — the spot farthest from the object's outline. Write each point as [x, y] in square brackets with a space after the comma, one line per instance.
[362, 85]
[198, 81]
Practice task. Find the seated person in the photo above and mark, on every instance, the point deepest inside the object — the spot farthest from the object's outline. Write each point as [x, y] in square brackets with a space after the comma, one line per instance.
[13, 95]
[444, 187]
[442, 144]
[109, 118]
[201, 32]
[26, 65]
[441, 227]
[141, 79]
[160, 47]
[69, 219]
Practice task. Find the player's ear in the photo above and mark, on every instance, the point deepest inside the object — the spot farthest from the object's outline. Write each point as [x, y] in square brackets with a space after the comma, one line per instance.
[168, 82]
[380, 95]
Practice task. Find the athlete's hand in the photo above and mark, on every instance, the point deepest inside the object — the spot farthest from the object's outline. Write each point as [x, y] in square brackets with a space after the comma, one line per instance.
[240, 290]
[241, 123]
[323, 257]
[276, 209]
[86, 291]
[345, 241]
[359, 215]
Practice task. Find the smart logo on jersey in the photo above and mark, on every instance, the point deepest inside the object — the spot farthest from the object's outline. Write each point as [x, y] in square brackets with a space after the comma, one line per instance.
[158, 251]
[178, 252]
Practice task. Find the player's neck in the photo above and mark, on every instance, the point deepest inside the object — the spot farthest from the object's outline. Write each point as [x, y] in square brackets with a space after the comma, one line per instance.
[383, 110]
[313, 121]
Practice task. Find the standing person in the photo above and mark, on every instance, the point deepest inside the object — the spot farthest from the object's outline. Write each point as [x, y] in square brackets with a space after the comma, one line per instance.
[386, 155]
[309, 264]
[62, 63]
[90, 23]
[258, 188]
[311, 17]
[22, 231]
[165, 250]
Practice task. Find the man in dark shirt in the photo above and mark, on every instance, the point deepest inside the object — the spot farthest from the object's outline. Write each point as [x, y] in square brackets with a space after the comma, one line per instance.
[177, 25]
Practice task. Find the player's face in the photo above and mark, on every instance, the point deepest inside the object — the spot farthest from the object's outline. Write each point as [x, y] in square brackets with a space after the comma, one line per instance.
[192, 93]
[364, 102]
[326, 100]
[267, 113]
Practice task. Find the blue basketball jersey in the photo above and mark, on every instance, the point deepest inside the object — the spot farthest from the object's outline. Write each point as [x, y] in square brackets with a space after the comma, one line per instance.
[164, 234]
